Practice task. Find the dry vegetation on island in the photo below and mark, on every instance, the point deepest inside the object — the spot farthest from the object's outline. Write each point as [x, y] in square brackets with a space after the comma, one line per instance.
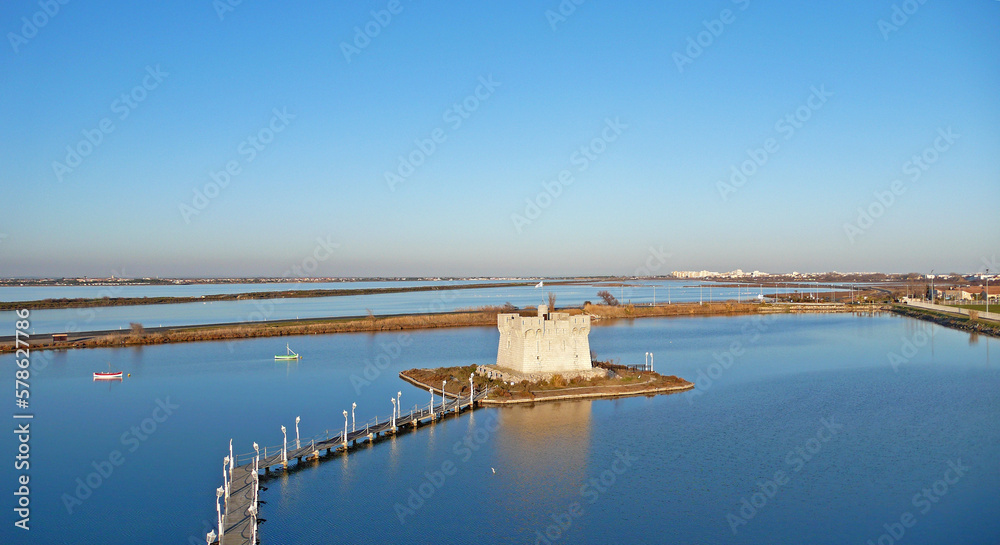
[623, 382]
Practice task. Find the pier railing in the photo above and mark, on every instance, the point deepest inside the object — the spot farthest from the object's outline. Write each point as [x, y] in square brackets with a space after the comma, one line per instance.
[376, 424]
[239, 511]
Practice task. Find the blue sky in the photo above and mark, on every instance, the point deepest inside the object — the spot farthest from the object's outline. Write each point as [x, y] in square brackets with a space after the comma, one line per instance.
[664, 124]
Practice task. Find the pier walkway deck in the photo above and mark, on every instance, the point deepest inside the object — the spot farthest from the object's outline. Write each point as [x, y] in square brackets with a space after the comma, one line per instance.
[241, 508]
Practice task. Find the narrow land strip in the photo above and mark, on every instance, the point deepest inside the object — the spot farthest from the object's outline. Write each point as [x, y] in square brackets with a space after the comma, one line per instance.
[484, 316]
[285, 294]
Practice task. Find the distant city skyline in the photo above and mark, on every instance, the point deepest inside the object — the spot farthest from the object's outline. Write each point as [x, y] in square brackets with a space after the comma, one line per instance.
[388, 138]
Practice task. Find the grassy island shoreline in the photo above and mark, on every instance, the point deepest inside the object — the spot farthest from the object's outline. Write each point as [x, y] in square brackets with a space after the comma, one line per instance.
[623, 383]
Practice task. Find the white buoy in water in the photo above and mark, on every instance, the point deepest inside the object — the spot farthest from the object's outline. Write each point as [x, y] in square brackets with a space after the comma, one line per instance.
[494, 470]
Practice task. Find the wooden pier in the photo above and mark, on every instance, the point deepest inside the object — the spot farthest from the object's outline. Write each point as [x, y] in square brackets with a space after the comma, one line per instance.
[239, 513]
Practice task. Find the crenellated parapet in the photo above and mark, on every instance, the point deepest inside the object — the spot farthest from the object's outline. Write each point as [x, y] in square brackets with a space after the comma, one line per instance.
[549, 343]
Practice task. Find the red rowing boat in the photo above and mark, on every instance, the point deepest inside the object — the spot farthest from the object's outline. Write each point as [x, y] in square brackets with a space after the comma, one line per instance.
[110, 375]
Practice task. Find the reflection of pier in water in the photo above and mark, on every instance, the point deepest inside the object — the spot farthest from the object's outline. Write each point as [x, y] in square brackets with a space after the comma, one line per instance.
[549, 444]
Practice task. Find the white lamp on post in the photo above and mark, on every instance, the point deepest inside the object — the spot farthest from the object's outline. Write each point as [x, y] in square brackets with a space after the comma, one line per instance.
[219, 492]
[284, 446]
[225, 476]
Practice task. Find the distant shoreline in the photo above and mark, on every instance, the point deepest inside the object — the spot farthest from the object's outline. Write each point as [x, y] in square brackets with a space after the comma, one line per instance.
[482, 317]
[83, 302]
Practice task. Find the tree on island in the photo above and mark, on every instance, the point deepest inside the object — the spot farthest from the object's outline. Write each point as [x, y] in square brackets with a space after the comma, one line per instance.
[609, 299]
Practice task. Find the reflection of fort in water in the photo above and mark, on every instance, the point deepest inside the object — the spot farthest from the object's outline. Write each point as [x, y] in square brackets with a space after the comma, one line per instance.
[548, 443]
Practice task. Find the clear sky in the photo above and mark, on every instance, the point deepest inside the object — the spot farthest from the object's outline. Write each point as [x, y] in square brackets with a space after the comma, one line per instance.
[332, 133]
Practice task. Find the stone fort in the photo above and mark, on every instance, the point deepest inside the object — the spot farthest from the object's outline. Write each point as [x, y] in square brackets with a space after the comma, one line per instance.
[538, 347]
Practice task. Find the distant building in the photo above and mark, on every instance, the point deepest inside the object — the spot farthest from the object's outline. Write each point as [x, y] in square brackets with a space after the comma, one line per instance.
[693, 274]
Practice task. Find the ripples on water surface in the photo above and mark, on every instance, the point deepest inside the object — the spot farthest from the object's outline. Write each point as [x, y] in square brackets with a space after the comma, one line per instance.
[696, 454]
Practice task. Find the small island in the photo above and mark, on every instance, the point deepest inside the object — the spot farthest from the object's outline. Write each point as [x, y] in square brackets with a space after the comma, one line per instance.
[621, 382]
[544, 358]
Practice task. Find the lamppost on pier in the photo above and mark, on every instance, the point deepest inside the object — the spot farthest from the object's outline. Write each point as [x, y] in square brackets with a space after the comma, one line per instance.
[225, 476]
[284, 446]
[444, 399]
[232, 462]
[399, 403]
[297, 444]
[219, 492]
[353, 406]
[393, 422]
[256, 488]
[431, 390]
[211, 537]
[345, 428]
[933, 293]
[472, 391]
[253, 523]
[987, 289]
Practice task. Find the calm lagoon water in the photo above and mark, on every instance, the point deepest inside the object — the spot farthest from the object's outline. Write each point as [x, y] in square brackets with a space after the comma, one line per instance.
[691, 457]
[104, 318]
